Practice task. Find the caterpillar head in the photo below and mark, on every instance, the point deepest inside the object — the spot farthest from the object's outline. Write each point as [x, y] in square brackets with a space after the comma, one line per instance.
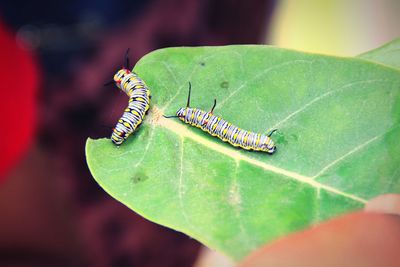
[181, 113]
[120, 75]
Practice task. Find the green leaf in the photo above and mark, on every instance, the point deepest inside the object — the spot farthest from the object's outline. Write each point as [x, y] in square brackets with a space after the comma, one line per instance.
[388, 54]
[337, 140]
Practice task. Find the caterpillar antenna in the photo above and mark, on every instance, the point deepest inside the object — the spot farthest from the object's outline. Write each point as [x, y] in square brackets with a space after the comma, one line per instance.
[188, 100]
[170, 116]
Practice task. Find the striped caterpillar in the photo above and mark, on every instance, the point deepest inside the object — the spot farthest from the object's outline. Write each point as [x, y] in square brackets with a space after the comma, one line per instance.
[227, 132]
[139, 100]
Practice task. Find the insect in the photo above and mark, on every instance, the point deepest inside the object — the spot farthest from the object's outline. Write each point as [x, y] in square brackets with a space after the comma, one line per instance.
[226, 131]
[139, 100]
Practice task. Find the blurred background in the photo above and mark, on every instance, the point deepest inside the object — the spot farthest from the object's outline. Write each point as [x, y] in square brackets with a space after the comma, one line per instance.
[54, 59]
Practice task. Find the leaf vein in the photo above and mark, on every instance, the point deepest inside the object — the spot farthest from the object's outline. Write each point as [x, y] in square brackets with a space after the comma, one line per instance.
[349, 153]
[318, 98]
[180, 186]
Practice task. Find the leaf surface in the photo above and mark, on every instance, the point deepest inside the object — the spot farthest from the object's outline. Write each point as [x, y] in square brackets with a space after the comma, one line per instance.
[337, 140]
[388, 54]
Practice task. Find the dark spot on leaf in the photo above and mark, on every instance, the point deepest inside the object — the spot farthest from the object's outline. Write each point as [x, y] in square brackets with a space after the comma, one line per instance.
[224, 84]
[202, 64]
[139, 177]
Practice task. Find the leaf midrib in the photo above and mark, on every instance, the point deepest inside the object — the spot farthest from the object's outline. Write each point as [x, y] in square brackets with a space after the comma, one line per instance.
[183, 132]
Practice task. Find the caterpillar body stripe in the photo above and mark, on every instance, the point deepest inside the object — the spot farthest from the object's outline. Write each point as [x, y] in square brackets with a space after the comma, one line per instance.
[224, 130]
[139, 102]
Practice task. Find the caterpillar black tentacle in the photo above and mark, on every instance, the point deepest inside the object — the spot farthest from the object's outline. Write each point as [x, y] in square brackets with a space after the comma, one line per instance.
[226, 131]
[139, 102]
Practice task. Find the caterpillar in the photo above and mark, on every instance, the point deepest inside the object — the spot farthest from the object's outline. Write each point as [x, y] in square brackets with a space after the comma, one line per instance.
[139, 102]
[226, 131]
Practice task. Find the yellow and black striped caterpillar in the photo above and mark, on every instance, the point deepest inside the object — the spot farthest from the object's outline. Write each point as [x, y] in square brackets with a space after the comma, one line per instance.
[227, 132]
[139, 101]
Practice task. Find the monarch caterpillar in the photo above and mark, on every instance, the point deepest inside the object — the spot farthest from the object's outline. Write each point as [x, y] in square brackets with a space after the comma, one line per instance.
[139, 100]
[226, 131]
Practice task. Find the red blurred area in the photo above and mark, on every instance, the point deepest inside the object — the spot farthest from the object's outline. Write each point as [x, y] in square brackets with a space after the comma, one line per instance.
[19, 78]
